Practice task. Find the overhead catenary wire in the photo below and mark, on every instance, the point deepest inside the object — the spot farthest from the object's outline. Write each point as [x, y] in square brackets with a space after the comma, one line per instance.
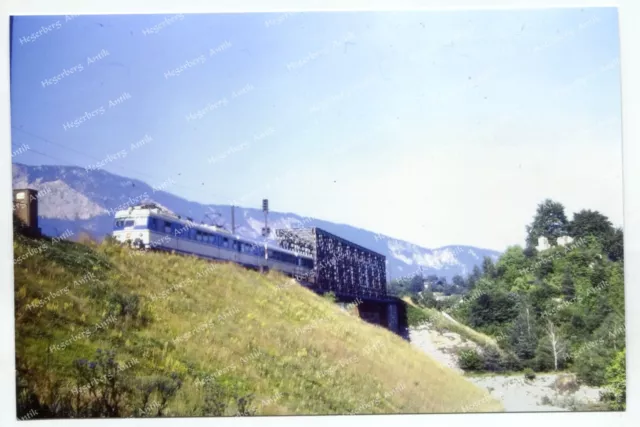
[126, 170]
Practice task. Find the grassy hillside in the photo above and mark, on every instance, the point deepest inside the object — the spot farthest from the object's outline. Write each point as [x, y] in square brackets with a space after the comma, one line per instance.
[436, 320]
[104, 331]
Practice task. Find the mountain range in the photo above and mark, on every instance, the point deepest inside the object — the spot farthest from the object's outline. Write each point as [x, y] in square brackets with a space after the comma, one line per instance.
[76, 199]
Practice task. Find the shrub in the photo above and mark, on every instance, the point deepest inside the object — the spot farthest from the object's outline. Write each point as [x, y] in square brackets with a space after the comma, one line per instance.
[616, 377]
[510, 361]
[416, 316]
[591, 363]
[529, 374]
[566, 384]
[161, 388]
[492, 359]
[214, 400]
[425, 299]
[470, 360]
[330, 296]
[101, 389]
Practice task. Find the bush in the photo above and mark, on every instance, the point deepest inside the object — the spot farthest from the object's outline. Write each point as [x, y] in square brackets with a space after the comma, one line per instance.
[416, 316]
[590, 364]
[492, 359]
[566, 383]
[510, 361]
[616, 377]
[529, 374]
[470, 360]
[425, 299]
[330, 296]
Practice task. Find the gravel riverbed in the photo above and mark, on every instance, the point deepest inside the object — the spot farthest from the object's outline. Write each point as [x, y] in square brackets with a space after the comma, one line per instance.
[515, 392]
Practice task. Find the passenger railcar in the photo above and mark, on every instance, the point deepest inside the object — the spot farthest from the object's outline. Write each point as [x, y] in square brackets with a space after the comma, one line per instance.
[150, 227]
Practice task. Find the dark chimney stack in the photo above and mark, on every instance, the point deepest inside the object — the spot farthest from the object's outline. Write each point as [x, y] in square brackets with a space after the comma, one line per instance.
[25, 207]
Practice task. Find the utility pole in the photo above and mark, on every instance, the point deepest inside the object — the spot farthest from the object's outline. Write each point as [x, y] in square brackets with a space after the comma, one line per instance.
[233, 219]
[10, 52]
[265, 229]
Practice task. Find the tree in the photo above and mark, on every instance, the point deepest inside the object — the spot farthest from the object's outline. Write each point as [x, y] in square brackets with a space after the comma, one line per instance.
[616, 379]
[488, 268]
[522, 336]
[492, 309]
[599, 275]
[530, 251]
[475, 275]
[557, 346]
[590, 223]
[591, 361]
[568, 287]
[458, 281]
[432, 278]
[425, 299]
[614, 245]
[549, 221]
[512, 265]
[416, 284]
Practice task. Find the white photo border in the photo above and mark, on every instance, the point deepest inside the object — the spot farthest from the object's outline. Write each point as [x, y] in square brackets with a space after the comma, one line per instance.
[629, 16]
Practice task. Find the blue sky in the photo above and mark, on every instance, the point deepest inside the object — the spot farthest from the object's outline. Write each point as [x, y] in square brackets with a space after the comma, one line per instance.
[433, 127]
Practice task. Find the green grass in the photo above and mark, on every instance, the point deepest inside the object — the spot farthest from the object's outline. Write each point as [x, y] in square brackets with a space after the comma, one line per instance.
[285, 349]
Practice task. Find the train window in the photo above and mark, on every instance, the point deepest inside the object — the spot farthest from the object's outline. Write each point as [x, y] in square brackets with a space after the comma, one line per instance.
[167, 227]
[192, 234]
[225, 242]
[128, 223]
[198, 235]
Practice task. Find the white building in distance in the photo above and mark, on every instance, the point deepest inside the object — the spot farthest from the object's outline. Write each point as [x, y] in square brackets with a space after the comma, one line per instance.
[543, 242]
[565, 240]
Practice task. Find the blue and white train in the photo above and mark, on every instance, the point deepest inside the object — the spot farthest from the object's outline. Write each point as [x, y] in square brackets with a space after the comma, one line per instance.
[150, 227]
